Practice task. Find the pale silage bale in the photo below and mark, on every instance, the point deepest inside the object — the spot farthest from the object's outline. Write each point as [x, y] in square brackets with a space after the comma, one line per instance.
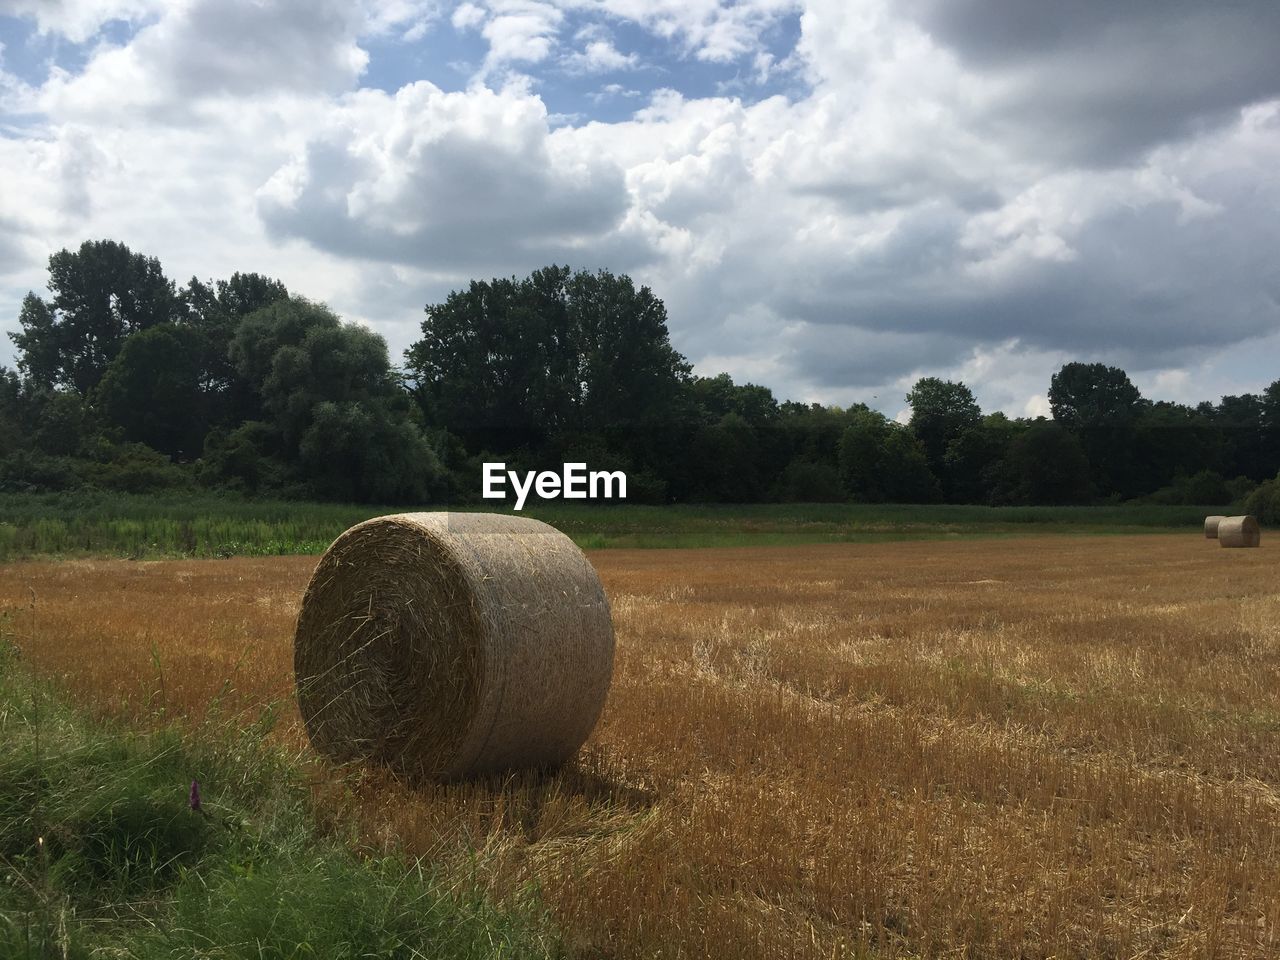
[452, 645]
[1211, 527]
[1239, 532]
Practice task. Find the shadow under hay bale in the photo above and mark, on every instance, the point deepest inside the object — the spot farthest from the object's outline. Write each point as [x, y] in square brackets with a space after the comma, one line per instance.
[453, 646]
[532, 789]
[1239, 532]
[1211, 527]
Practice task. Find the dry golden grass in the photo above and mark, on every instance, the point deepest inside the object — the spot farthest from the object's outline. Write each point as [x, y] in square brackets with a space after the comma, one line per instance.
[1036, 748]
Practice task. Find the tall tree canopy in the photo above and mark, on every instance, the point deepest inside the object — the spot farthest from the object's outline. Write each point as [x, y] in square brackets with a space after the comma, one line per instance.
[11, 410]
[101, 293]
[974, 458]
[884, 462]
[941, 410]
[509, 363]
[1101, 406]
[119, 375]
[214, 310]
[152, 391]
[1241, 423]
[1086, 395]
[1045, 464]
[337, 422]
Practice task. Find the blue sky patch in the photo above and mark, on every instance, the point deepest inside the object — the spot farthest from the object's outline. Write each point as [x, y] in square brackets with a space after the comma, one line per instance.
[30, 55]
[451, 58]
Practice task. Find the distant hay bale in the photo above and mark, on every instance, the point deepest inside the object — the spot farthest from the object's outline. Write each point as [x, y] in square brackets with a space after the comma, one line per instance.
[1211, 527]
[1239, 532]
[453, 645]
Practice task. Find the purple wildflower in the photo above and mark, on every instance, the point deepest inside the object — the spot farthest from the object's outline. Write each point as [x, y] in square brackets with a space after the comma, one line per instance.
[194, 799]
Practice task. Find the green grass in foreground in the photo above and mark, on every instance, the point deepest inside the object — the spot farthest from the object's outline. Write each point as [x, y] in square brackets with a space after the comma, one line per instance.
[101, 855]
[210, 526]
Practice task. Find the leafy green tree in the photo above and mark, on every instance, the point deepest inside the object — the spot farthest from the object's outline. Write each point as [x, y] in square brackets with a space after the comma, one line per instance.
[719, 395]
[482, 368]
[65, 425]
[811, 432]
[1238, 423]
[248, 459]
[808, 481]
[153, 390]
[337, 421]
[296, 354]
[1204, 487]
[882, 461]
[216, 302]
[628, 373]
[1088, 394]
[941, 410]
[1101, 406]
[101, 293]
[511, 364]
[1172, 440]
[727, 471]
[11, 411]
[133, 468]
[43, 434]
[214, 311]
[973, 458]
[859, 454]
[1045, 465]
[905, 467]
[39, 342]
[1264, 502]
[28, 471]
[1270, 429]
[715, 397]
[367, 450]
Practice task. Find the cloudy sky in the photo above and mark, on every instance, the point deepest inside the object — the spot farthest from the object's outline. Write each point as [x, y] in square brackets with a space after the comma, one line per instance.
[833, 197]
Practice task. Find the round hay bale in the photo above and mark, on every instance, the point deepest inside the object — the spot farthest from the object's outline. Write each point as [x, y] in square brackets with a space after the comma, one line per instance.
[1211, 527]
[453, 645]
[1239, 532]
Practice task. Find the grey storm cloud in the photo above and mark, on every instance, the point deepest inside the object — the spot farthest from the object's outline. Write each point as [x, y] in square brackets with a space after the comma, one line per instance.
[847, 357]
[1141, 282]
[1099, 82]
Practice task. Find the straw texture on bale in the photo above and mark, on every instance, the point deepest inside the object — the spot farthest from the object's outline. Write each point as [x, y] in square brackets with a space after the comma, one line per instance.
[1211, 527]
[453, 645]
[1239, 532]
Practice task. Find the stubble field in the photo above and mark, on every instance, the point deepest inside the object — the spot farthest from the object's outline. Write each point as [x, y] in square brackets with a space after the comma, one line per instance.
[1051, 747]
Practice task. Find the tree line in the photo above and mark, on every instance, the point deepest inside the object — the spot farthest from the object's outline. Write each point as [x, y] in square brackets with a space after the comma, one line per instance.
[126, 381]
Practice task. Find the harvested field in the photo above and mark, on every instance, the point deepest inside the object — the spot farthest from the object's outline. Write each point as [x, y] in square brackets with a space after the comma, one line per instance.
[1048, 747]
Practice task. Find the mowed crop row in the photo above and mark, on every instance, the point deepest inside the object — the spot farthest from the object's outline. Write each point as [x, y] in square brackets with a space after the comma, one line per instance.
[1025, 748]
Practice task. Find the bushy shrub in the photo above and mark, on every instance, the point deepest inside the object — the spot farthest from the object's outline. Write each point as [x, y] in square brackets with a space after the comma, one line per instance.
[809, 482]
[645, 487]
[1205, 487]
[24, 471]
[1264, 502]
[65, 425]
[1240, 488]
[135, 468]
[243, 460]
[367, 451]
